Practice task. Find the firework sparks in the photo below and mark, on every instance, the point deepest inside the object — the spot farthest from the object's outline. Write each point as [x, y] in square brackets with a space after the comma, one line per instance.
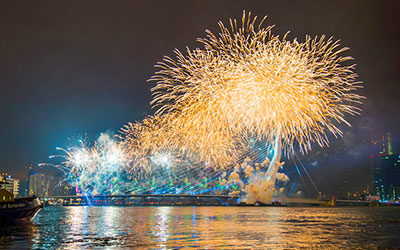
[96, 168]
[246, 81]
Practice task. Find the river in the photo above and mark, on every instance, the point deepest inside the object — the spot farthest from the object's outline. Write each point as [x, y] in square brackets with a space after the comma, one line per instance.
[206, 227]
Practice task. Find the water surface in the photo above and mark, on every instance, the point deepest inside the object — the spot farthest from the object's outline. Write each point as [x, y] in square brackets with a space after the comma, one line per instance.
[206, 227]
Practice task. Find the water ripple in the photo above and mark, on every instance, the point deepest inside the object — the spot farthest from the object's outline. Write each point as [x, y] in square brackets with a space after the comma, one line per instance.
[206, 227]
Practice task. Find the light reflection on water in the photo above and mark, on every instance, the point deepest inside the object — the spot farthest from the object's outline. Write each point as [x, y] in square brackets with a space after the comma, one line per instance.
[206, 227]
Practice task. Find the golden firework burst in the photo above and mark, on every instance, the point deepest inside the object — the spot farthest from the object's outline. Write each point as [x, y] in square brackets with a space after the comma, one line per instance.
[246, 81]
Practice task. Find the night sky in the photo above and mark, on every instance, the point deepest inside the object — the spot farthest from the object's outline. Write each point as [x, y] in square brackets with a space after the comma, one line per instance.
[73, 67]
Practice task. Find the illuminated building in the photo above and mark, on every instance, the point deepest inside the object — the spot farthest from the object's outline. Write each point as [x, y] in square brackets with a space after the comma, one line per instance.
[12, 185]
[44, 185]
[386, 170]
[39, 184]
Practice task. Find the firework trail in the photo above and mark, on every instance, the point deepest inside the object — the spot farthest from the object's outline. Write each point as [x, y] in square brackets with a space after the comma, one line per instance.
[246, 82]
[96, 168]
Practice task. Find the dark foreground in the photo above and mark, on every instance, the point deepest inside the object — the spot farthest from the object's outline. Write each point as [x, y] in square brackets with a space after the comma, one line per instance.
[206, 227]
[19, 210]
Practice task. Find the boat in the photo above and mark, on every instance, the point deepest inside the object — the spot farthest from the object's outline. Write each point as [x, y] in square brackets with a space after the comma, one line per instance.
[262, 204]
[14, 210]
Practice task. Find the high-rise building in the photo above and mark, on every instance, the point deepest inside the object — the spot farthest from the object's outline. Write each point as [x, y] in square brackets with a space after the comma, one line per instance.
[386, 170]
[46, 185]
[387, 177]
[39, 184]
[11, 185]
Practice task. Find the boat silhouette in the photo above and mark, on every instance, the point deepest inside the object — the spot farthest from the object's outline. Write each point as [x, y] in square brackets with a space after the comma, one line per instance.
[17, 209]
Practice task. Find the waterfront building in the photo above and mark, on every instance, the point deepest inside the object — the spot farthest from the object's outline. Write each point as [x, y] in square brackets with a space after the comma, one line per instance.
[386, 171]
[11, 184]
[39, 184]
[47, 185]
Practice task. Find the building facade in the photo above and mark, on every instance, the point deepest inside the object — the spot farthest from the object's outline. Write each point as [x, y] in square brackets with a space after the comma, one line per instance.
[11, 185]
[39, 185]
[386, 171]
[387, 177]
[44, 185]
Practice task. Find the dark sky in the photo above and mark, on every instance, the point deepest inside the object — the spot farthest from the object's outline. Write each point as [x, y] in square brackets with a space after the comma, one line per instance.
[73, 67]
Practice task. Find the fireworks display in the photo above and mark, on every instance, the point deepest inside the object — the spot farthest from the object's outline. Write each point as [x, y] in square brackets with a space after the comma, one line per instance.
[246, 81]
[95, 168]
[244, 85]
